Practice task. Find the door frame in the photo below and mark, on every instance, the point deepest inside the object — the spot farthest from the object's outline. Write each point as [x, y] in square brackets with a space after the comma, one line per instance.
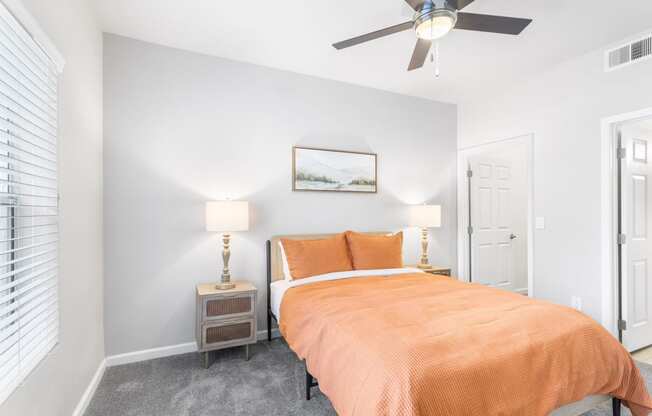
[609, 224]
[462, 205]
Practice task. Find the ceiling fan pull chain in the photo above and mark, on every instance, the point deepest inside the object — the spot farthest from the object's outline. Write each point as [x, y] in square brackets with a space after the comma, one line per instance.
[435, 54]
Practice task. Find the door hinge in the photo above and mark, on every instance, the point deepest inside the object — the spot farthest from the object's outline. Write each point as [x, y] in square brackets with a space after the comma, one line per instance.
[470, 230]
[622, 153]
[469, 173]
[622, 239]
[622, 325]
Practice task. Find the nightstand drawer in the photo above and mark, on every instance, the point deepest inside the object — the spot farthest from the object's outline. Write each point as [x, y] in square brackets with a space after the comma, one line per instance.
[226, 307]
[228, 333]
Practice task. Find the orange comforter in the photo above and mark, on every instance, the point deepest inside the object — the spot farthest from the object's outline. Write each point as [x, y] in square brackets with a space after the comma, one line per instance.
[417, 344]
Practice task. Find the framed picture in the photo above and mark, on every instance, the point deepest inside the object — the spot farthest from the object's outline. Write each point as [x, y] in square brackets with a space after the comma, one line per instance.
[334, 171]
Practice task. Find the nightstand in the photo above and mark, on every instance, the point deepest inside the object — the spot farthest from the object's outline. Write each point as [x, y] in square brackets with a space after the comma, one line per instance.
[440, 271]
[225, 318]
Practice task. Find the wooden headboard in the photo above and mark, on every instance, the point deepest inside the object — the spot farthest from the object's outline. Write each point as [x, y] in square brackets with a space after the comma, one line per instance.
[275, 261]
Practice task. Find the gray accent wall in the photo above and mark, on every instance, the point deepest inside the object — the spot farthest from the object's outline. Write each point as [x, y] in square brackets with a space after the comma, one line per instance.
[183, 128]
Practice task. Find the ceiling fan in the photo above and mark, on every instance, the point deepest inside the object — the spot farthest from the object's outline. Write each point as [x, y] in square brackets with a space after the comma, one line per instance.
[434, 19]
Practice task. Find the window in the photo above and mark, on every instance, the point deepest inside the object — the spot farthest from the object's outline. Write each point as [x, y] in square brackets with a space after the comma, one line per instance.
[29, 317]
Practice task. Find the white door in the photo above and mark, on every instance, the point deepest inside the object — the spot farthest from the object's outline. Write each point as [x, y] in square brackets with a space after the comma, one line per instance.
[636, 264]
[493, 237]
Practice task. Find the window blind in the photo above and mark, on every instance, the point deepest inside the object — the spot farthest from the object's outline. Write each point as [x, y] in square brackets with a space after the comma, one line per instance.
[29, 316]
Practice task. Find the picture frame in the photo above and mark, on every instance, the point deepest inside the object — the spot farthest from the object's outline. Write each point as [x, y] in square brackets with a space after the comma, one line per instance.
[329, 170]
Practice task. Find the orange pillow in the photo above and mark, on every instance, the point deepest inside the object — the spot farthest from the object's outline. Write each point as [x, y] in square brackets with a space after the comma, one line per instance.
[313, 257]
[375, 251]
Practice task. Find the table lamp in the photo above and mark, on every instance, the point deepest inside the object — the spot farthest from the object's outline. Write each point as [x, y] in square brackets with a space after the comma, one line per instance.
[425, 217]
[226, 217]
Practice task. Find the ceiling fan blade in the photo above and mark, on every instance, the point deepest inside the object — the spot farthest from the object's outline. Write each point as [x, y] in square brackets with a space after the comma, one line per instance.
[420, 54]
[374, 35]
[415, 4]
[460, 4]
[493, 24]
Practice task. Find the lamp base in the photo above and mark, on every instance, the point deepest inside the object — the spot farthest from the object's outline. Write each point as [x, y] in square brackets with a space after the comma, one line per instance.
[225, 286]
[424, 266]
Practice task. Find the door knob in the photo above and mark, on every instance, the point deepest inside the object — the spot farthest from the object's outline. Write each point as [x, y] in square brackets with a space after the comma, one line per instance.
[512, 237]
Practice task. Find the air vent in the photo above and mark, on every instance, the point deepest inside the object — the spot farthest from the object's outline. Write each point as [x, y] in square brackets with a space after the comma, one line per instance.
[642, 48]
[628, 54]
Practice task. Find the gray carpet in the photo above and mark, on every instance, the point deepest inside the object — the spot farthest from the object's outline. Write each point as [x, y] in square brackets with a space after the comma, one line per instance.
[271, 383]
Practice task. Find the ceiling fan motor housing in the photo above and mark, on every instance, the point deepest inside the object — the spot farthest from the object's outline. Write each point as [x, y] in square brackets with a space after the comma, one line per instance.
[435, 19]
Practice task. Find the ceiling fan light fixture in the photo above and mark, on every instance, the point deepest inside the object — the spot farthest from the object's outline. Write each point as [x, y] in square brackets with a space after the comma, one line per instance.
[435, 24]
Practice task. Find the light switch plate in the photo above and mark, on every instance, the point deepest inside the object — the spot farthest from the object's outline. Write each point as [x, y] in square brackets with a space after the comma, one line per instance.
[540, 223]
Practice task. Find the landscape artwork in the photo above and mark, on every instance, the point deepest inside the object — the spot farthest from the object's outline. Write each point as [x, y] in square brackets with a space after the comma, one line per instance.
[334, 171]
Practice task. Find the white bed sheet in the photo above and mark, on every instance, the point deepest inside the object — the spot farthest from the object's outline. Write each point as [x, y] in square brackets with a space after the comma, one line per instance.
[278, 288]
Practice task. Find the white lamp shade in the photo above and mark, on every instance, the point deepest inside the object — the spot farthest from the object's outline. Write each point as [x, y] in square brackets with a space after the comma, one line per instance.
[227, 216]
[426, 216]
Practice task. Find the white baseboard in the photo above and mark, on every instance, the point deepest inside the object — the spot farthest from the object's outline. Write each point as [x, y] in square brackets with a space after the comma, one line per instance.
[170, 350]
[150, 354]
[90, 390]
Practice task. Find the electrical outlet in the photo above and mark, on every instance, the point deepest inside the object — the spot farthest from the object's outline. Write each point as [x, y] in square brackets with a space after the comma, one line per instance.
[577, 303]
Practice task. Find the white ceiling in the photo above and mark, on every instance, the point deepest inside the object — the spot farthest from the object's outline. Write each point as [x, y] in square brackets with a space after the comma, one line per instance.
[296, 35]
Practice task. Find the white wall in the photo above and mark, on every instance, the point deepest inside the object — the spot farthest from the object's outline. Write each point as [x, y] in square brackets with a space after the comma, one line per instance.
[57, 384]
[563, 107]
[183, 128]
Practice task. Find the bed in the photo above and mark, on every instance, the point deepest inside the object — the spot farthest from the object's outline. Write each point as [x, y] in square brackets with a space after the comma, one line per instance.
[403, 342]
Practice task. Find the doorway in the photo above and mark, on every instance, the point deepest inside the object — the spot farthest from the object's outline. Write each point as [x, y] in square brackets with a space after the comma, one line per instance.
[633, 152]
[494, 214]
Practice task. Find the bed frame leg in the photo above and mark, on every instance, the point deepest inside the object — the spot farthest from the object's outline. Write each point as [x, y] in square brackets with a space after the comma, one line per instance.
[268, 251]
[310, 383]
[616, 406]
[269, 326]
